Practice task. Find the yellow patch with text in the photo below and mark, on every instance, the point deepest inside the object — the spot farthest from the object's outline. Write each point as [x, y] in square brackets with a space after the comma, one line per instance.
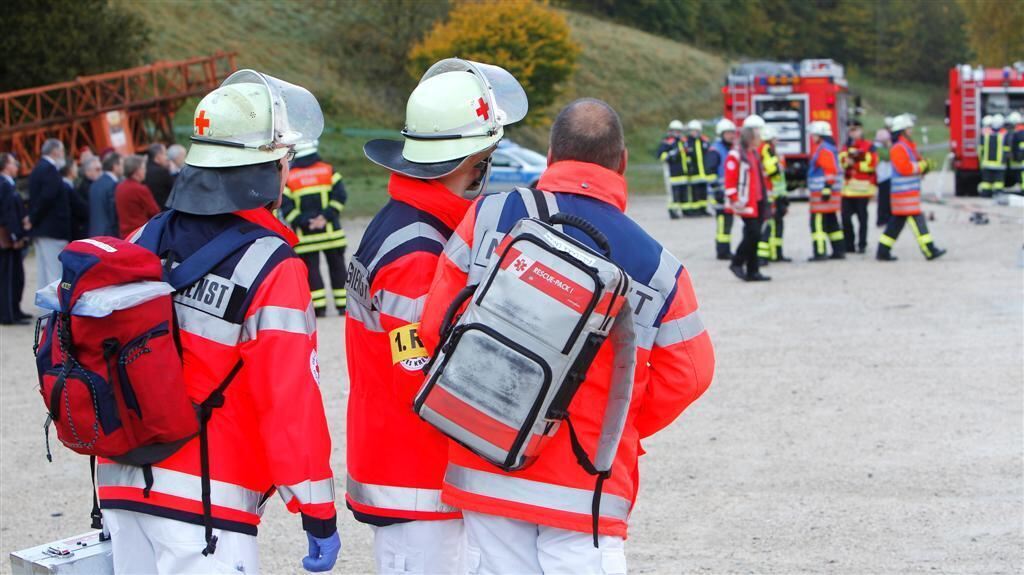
[406, 347]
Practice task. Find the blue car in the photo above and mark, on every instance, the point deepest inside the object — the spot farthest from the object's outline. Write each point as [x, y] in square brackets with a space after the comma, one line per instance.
[514, 166]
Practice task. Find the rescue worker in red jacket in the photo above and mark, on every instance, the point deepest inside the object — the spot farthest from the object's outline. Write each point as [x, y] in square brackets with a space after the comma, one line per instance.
[824, 182]
[539, 519]
[908, 168]
[314, 197]
[396, 461]
[859, 160]
[746, 190]
[270, 433]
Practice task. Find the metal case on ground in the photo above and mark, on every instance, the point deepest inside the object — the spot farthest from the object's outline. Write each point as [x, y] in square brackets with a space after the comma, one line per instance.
[85, 554]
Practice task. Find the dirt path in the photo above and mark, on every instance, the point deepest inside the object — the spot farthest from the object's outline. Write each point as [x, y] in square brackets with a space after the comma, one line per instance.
[865, 417]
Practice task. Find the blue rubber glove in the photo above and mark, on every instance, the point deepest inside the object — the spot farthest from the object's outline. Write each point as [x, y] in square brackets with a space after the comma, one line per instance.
[323, 553]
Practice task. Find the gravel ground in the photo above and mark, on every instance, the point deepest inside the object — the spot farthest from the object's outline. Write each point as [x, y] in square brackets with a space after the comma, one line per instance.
[865, 417]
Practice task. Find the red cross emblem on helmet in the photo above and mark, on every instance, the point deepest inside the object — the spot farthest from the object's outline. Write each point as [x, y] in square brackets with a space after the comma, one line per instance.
[202, 122]
[483, 111]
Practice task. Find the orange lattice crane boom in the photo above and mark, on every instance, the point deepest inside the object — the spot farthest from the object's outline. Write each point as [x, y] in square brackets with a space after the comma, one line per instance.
[123, 110]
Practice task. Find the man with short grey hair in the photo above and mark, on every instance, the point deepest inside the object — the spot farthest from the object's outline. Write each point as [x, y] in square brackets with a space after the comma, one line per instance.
[50, 211]
[176, 155]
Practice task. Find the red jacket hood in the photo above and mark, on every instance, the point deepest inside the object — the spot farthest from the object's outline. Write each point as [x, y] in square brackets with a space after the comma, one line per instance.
[430, 196]
[585, 179]
[263, 217]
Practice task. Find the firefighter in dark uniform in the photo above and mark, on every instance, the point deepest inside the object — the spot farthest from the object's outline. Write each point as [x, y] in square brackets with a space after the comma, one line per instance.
[672, 153]
[726, 131]
[1015, 139]
[314, 198]
[697, 147]
[993, 157]
[769, 249]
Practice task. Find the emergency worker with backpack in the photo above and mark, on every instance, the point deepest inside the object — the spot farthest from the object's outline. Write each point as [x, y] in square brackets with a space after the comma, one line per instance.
[580, 337]
[184, 360]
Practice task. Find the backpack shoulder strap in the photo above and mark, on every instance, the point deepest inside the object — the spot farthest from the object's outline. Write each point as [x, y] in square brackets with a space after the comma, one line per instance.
[538, 203]
[154, 231]
[213, 253]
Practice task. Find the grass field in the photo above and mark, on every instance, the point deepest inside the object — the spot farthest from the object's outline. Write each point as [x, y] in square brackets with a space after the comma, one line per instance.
[648, 79]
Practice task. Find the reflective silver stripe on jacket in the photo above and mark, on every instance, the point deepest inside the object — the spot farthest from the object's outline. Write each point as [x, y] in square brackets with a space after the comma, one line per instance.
[362, 314]
[399, 306]
[308, 492]
[402, 235]
[528, 492]
[679, 330]
[276, 318]
[179, 484]
[458, 252]
[207, 326]
[254, 259]
[397, 498]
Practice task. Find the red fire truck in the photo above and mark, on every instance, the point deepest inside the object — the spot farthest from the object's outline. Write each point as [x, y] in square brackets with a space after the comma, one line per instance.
[790, 96]
[973, 94]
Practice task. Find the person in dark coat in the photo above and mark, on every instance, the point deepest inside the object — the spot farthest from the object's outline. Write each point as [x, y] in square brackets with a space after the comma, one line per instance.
[49, 208]
[158, 177]
[14, 228]
[91, 170]
[102, 211]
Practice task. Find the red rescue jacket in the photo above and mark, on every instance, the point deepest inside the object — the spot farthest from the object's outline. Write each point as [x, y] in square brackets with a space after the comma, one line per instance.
[744, 182]
[675, 360]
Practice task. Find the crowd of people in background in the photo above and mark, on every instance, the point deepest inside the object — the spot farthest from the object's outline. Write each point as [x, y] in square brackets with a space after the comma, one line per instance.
[109, 194]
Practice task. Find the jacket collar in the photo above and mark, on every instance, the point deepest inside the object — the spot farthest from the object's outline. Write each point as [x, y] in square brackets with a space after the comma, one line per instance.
[585, 179]
[263, 217]
[429, 196]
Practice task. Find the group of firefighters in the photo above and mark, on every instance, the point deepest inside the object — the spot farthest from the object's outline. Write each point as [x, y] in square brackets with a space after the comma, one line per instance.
[1001, 153]
[741, 174]
[434, 506]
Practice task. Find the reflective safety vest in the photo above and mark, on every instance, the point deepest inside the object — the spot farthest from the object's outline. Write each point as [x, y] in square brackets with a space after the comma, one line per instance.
[1016, 139]
[678, 163]
[271, 433]
[860, 179]
[906, 179]
[314, 189]
[774, 171]
[823, 172]
[396, 461]
[993, 151]
[698, 147]
[674, 359]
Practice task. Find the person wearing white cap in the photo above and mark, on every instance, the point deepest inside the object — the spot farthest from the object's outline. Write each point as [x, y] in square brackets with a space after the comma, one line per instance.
[1015, 139]
[908, 169]
[824, 182]
[672, 154]
[993, 155]
[697, 149]
[726, 131]
[769, 249]
[746, 190]
[454, 120]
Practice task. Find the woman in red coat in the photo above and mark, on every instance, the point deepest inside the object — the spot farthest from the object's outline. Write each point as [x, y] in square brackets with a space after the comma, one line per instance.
[745, 192]
[133, 200]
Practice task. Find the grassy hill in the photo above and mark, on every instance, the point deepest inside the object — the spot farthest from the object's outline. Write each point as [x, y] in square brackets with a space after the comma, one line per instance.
[648, 79]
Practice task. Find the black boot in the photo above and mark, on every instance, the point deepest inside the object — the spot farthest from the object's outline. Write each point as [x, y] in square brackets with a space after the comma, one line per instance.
[885, 254]
[936, 253]
[781, 258]
[737, 270]
[758, 277]
[673, 214]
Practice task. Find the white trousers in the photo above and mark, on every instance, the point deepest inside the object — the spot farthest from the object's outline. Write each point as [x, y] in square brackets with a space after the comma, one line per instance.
[501, 546]
[149, 545]
[47, 262]
[420, 548]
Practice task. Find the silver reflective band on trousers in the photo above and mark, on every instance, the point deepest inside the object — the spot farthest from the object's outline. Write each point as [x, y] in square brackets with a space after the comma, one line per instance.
[525, 491]
[397, 498]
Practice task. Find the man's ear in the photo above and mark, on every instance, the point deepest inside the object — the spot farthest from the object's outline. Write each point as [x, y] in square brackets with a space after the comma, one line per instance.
[549, 157]
[623, 162]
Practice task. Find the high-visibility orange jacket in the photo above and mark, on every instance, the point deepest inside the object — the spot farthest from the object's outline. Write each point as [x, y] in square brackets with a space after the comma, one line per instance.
[824, 178]
[396, 461]
[860, 160]
[271, 433]
[675, 360]
[906, 178]
[745, 182]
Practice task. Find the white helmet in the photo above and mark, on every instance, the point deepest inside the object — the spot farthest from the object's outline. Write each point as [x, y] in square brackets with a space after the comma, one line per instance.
[998, 121]
[888, 122]
[1014, 118]
[676, 126]
[252, 118]
[769, 132]
[724, 125]
[986, 121]
[306, 148]
[902, 122]
[458, 109]
[753, 122]
[821, 128]
[694, 125]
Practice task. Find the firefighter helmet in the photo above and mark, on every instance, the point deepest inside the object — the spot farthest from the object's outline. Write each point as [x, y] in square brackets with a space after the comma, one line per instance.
[459, 109]
[694, 125]
[1014, 118]
[753, 122]
[821, 128]
[986, 122]
[902, 122]
[998, 121]
[307, 149]
[724, 125]
[675, 126]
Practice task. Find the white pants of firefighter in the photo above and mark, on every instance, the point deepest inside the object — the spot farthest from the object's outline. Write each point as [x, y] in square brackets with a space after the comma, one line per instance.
[420, 548]
[149, 545]
[498, 545]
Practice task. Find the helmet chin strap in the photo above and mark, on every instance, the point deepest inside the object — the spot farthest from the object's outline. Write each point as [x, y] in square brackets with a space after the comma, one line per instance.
[479, 186]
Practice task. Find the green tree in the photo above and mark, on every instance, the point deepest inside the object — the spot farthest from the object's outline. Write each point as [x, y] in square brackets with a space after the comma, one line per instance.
[528, 39]
[995, 30]
[48, 41]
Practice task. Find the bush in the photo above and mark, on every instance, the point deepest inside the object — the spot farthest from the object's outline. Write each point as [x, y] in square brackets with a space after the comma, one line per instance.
[527, 38]
[49, 41]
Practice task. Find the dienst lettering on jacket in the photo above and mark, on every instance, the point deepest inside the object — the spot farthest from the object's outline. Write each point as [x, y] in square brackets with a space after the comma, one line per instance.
[358, 283]
[211, 294]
